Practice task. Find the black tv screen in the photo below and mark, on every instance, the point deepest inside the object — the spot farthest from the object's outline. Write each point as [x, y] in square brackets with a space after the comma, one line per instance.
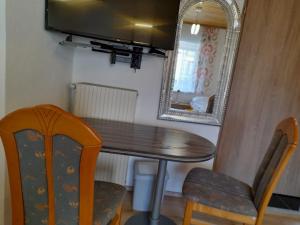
[141, 22]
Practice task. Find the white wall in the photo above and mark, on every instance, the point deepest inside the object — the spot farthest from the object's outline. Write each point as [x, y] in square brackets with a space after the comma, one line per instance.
[2, 106]
[38, 69]
[94, 67]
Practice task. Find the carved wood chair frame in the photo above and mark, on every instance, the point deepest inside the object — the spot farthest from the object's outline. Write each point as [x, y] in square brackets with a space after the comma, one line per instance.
[50, 120]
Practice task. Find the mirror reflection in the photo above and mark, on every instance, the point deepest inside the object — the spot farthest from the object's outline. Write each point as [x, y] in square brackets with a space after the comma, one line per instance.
[201, 49]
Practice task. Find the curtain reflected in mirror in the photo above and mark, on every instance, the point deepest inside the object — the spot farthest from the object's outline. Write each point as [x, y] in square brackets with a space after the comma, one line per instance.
[199, 58]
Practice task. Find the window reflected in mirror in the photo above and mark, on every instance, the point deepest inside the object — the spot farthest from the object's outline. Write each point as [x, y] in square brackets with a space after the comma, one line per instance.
[201, 50]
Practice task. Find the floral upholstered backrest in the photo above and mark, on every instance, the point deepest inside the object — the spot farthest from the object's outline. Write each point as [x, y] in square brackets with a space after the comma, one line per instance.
[280, 150]
[66, 174]
[66, 166]
[269, 164]
[51, 157]
[31, 151]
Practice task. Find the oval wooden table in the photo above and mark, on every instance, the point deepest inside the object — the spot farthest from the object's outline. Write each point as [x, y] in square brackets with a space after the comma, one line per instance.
[160, 143]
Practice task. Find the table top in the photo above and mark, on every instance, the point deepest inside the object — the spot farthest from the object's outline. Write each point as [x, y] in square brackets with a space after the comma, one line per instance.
[151, 142]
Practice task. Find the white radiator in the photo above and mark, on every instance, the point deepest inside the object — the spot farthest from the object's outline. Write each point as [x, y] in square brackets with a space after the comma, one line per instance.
[97, 101]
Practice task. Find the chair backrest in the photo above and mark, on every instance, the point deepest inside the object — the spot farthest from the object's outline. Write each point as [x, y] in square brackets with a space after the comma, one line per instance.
[210, 104]
[283, 144]
[51, 158]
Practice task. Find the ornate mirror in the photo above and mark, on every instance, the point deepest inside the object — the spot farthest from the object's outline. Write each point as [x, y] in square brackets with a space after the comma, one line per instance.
[197, 73]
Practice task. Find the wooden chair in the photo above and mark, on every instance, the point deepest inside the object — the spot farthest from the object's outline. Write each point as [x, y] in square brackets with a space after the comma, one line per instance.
[222, 196]
[210, 104]
[51, 157]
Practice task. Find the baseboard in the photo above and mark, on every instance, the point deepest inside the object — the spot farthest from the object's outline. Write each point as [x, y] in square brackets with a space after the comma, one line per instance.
[167, 193]
[285, 202]
[283, 212]
[173, 194]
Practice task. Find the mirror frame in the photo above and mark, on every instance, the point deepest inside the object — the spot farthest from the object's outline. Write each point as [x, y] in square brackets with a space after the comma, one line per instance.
[231, 45]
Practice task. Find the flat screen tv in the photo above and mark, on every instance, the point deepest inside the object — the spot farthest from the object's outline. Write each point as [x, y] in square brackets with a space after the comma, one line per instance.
[140, 22]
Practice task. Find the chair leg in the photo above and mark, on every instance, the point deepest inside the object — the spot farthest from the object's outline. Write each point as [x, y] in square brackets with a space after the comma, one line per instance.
[117, 219]
[119, 213]
[188, 213]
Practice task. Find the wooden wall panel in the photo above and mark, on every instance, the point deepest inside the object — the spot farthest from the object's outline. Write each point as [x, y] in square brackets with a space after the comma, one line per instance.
[265, 89]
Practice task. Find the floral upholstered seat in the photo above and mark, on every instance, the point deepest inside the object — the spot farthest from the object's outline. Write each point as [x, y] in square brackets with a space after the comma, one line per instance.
[107, 199]
[219, 191]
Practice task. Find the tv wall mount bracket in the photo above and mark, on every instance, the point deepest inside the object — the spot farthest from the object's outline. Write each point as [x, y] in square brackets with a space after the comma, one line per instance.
[125, 53]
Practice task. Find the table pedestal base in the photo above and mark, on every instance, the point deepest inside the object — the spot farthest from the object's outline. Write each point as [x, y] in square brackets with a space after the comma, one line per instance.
[144, 219]
[154, 217]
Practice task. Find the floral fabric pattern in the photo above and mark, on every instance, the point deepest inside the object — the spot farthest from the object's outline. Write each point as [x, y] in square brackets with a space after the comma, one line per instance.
[30, 145]
[219, 191]
[207, 57]
[269, 165]
[66, 167]
[66, 156]
[107, 198]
